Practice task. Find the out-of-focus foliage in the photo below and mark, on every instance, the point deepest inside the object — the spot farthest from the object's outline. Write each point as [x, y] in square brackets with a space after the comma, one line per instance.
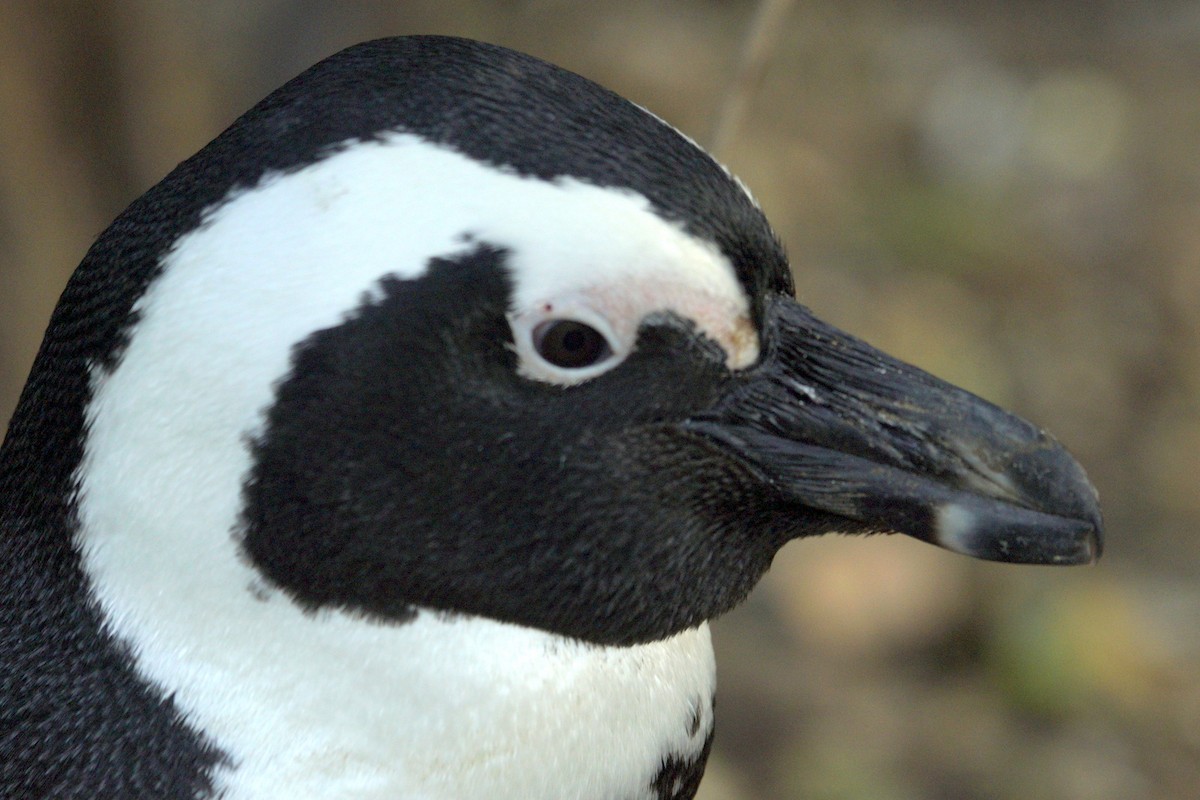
[1007, 194]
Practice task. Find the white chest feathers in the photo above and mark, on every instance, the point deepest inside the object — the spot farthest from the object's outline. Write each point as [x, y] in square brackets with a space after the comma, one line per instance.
[445, 708]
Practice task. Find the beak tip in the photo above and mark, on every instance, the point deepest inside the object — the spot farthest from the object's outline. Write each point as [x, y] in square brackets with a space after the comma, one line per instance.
[1093, 545]
[1085, 547]
[1058, 520]
[1017, 535]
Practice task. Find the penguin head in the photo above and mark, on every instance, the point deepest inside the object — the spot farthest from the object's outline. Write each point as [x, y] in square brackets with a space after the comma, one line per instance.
[438, 326]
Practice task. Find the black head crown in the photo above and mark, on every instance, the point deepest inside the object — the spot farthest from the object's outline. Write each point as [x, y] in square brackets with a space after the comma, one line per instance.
[513, 111]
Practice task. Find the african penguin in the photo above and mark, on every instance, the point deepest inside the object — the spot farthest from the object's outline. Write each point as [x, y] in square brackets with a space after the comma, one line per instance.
[401, 443]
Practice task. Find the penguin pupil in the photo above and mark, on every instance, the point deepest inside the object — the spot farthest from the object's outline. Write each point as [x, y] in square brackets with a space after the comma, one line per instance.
[575, 341]
[571, 344]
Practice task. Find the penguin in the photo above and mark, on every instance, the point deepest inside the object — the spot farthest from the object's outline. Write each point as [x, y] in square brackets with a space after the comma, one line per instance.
[402, 442]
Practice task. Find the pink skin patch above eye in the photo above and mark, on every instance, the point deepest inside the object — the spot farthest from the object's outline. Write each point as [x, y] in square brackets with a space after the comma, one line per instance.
[721, 318]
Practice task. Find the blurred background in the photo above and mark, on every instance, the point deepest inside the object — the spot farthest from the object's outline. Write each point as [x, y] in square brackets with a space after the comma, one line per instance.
[1007, 194]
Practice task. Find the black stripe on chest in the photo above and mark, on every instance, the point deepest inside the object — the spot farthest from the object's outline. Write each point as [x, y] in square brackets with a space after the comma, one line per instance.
[679, 777]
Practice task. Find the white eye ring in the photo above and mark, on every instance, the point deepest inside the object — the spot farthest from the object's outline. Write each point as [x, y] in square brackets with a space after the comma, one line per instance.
[565, 342]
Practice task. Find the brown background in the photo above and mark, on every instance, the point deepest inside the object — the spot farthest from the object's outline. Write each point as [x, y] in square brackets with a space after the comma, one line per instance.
[1006, 194]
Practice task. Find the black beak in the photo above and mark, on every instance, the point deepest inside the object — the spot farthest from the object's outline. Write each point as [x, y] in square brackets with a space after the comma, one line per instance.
[839, 427]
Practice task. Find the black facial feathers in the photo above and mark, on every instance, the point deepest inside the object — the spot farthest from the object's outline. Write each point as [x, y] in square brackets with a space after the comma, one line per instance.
[406, 463]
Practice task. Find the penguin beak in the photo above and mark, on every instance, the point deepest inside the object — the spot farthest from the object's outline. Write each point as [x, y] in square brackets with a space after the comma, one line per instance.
[837, 426]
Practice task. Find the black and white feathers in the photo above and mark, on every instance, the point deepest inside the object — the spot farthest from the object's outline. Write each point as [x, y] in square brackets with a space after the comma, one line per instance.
[401, 442]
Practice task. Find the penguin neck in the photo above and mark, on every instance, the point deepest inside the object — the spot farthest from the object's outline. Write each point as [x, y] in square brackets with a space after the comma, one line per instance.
[331, 704]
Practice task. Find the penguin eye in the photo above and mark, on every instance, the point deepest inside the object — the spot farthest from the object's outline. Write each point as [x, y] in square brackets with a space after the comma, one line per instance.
[570, 344]
[566, 341]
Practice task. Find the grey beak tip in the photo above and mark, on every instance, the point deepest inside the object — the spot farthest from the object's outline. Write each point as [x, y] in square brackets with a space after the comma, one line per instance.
[1017, 535]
